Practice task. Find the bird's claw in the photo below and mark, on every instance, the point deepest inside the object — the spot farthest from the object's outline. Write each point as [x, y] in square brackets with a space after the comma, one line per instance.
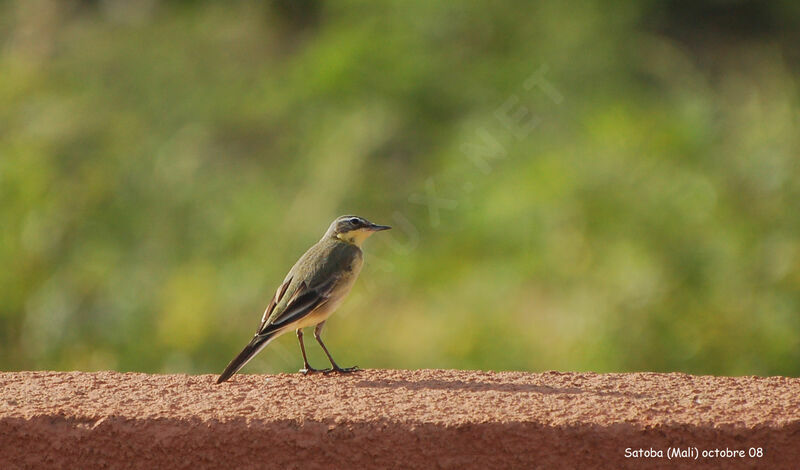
[341, 370]
[310, 370]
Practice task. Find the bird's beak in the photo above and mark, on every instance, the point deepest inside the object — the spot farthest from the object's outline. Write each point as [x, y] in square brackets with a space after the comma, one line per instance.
[378, 228]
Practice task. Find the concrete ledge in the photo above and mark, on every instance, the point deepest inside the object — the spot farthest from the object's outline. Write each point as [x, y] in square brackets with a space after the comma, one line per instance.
[394, 418]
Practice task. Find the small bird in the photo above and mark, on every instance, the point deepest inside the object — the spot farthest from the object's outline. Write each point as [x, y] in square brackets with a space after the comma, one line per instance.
[311, 292]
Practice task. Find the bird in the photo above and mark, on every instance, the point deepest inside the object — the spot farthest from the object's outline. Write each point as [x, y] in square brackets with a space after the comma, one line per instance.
[314, 288]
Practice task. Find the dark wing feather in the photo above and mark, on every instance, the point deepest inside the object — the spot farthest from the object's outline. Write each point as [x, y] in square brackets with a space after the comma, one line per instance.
[271, 308]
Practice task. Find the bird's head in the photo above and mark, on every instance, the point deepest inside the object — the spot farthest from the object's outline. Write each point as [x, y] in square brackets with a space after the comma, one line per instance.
[353, 229]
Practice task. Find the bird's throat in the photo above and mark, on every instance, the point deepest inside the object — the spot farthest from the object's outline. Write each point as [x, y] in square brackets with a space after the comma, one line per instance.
[355, 237]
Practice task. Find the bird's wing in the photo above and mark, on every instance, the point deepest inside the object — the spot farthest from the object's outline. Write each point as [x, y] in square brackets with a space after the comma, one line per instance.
[302, 302]
[271, 308]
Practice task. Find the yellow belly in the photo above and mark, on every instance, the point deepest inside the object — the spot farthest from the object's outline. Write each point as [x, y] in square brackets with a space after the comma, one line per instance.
[319, 315]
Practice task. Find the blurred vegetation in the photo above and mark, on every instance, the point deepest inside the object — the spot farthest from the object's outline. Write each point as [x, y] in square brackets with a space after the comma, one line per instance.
[163, 164]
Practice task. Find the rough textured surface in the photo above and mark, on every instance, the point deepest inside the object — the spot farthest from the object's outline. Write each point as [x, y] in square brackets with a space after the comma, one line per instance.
[395, 419]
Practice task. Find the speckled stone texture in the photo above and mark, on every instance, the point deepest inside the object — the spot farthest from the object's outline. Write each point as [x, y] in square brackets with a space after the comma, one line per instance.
[394, 419]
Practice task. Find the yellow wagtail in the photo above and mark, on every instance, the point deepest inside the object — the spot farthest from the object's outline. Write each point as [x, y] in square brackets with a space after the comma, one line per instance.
[311, 292]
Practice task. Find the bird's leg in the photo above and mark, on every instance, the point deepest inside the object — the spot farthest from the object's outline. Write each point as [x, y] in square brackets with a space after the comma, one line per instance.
[306, 367]
[334, 367]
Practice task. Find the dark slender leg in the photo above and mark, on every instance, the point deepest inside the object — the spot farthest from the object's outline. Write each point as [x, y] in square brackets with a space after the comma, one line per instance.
[334, 367]
[306, 367]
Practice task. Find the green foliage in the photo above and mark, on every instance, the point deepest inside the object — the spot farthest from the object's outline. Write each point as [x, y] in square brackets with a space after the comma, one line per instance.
[163, 165]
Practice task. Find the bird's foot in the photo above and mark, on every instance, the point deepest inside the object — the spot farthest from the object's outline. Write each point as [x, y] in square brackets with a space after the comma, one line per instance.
[341, 370]
[310, 370]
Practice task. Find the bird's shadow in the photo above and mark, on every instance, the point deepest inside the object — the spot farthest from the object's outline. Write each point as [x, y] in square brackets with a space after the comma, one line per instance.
[441, 384]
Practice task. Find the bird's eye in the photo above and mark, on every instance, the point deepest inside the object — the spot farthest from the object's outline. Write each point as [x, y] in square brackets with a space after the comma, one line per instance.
[355, 221]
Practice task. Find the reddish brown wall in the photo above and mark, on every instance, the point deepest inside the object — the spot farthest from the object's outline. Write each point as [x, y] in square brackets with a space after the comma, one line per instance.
[390, 418]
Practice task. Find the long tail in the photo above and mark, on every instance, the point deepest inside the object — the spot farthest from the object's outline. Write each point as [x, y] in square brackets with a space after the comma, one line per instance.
[257, 344]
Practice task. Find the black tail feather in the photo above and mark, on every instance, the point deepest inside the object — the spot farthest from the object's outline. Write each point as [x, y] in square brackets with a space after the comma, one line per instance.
[247, 353]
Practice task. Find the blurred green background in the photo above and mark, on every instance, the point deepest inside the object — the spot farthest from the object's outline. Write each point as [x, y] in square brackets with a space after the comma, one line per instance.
[608, 186]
